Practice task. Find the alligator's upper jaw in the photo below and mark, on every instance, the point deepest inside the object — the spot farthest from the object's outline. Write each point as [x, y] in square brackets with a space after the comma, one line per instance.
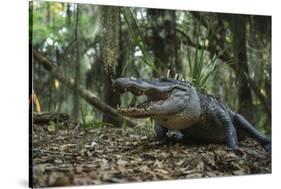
[137, 88]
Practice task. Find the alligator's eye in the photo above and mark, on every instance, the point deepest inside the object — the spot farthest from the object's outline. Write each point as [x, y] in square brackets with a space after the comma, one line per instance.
[178, 87]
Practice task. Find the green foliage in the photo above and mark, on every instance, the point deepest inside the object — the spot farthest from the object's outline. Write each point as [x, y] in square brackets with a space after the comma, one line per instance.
[201, 69]
[54, 22]
[89, 120]
[138, 38]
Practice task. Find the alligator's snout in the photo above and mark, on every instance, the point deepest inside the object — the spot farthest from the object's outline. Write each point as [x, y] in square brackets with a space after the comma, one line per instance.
[158, 94]
[119, 83]
[122, 85]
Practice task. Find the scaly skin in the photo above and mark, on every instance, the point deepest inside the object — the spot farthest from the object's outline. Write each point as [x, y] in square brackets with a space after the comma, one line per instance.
[177, 105]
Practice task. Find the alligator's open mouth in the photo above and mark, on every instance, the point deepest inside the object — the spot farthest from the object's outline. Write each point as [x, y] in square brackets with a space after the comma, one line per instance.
[144, 109]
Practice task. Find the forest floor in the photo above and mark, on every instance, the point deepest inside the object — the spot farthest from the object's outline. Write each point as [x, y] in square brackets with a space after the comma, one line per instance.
[77, 156]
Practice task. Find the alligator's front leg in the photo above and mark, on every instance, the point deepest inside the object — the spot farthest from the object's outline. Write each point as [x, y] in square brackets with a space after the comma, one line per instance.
[161, 133]
[221, 116]
[163, 136]
[242, 123]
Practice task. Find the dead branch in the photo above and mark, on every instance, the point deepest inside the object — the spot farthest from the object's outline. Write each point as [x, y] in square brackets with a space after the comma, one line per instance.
[85, 94]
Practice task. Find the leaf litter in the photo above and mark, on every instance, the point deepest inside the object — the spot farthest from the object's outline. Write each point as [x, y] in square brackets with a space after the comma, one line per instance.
[67, 156]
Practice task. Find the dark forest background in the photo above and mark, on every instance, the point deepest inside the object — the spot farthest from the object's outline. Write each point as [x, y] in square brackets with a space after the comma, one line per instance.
[86, 46]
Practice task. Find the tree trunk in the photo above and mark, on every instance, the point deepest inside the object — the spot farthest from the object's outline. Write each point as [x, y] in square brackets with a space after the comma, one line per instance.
[238, 27]
[163, 42]
[174, 40]
[48, 17]
[76, 98]
[111, 46]
[68, 15]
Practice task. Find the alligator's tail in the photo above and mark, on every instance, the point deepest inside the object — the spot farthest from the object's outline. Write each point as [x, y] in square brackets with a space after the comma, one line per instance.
[241, 122]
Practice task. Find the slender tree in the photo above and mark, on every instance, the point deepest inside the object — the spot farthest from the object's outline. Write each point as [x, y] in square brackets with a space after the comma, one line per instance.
[240, 66]
[76, 98]
[110, 51]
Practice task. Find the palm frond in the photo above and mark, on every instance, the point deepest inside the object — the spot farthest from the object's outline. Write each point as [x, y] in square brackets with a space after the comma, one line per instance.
[138, 38]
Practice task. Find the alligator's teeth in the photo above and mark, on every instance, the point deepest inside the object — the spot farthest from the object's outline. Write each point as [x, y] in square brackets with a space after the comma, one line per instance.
[180, 76]
[168, 73]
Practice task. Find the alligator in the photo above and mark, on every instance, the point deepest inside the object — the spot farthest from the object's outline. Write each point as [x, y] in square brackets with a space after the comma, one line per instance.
[196, 116]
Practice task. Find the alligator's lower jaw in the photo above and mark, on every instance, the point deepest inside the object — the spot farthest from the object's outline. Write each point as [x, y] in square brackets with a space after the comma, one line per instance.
[135, 112]
[144, 109]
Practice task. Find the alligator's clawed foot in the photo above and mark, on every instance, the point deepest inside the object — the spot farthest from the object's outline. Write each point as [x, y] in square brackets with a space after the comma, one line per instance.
[233, 148]
[176, 137]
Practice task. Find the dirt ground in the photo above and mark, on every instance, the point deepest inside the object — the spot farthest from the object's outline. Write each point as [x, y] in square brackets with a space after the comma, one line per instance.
[71, 155]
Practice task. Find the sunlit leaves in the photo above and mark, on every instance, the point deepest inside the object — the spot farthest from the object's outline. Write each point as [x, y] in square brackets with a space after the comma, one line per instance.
[56, 83]
[35, 100]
